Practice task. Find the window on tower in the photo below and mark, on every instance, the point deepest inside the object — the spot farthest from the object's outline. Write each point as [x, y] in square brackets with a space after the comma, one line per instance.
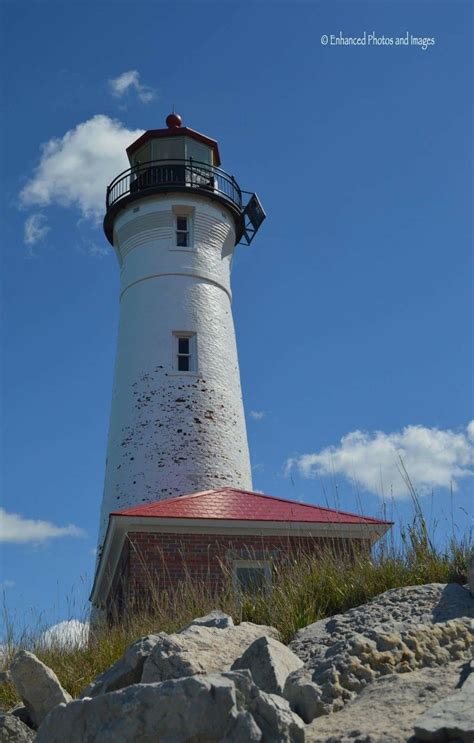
[182, 232]
[183, 217]
[185, 352]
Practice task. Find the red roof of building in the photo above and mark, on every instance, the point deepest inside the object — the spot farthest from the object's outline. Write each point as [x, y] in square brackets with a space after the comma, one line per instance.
[242, 505]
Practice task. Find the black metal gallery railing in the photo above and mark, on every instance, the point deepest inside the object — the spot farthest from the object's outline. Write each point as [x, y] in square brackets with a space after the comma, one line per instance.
[174, 174]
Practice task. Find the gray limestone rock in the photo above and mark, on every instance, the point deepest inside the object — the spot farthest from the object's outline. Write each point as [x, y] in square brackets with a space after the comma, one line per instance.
[351, 664]
[216, 618]
[21, 712]
[393, 611]
[215, 708]
[200, 650]
[126, 671]
[37, 685]
[452, 718]
[13, 730]
[270, 662]
[385, 711]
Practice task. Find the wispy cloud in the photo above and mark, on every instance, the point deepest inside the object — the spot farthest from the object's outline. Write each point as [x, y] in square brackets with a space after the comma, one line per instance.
[6, 584]
[15, 529]
[36, 228]
[433, 458]
[74, 170]
[67, 635]
[128, 81]
[94, 249]
[257, 415]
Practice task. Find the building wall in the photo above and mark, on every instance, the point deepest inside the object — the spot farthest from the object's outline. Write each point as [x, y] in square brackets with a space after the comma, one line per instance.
[157, 562]
[171, 432]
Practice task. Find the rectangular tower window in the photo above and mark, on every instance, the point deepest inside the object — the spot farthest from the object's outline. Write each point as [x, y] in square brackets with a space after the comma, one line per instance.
[185, 352]
[182, 232]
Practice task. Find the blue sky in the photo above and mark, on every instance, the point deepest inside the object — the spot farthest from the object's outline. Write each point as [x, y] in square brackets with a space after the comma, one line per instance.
[353, 307]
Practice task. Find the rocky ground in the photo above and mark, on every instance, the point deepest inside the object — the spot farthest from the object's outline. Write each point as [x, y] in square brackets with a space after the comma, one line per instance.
[396, 670]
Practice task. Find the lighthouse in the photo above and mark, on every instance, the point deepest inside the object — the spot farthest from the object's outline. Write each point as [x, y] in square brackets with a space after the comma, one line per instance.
[178, 501]
[177, 424]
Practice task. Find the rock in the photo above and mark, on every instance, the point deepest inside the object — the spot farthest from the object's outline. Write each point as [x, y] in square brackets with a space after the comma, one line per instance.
[21, 712]
[452, 718]
[126, 671]
[352, 663]
[221, 707]
[393, 611]
[216, 618]
[386, 710]
[37, 685]
[5, 677]
[13, 730]
[200, 650]
[270, 662]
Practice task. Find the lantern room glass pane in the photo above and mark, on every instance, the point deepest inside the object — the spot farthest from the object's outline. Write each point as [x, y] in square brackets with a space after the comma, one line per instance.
[144, 154]
[198, 151]
[169, 148]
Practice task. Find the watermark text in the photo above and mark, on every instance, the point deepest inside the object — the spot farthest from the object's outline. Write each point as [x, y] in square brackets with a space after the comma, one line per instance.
[378, 40]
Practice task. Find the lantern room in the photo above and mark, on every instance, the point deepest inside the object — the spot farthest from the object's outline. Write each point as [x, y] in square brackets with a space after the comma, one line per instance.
[176, 142]
[181, 159]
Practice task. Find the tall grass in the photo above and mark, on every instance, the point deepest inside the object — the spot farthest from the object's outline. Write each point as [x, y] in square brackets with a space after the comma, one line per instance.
[304, 589]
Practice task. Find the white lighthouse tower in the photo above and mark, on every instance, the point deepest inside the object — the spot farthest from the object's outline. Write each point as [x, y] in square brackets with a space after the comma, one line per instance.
[177, 422]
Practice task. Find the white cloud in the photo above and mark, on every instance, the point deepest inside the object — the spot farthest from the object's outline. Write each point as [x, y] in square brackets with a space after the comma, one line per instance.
[130, 80]
[257, 415]
[74, 170]
[16, 529]
[36, 228]
[432, 458]
[470, 430]
[68, 634]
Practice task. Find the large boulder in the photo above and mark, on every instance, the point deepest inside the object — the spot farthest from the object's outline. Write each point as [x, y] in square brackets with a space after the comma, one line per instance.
[392, 612]
[37, 685]
[452, 718]
[221, 707]
[270, 663]
[386, 709]
[126, 671]
[215, 618]
[200, 649]
[352, 663]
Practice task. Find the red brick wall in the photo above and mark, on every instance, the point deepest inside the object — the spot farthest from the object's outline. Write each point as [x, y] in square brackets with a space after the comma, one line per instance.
[162, 560]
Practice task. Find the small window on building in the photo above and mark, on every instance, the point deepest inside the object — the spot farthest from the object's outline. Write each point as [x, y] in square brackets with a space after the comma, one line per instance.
[185, 352]
[182, 232]
[252, 577]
